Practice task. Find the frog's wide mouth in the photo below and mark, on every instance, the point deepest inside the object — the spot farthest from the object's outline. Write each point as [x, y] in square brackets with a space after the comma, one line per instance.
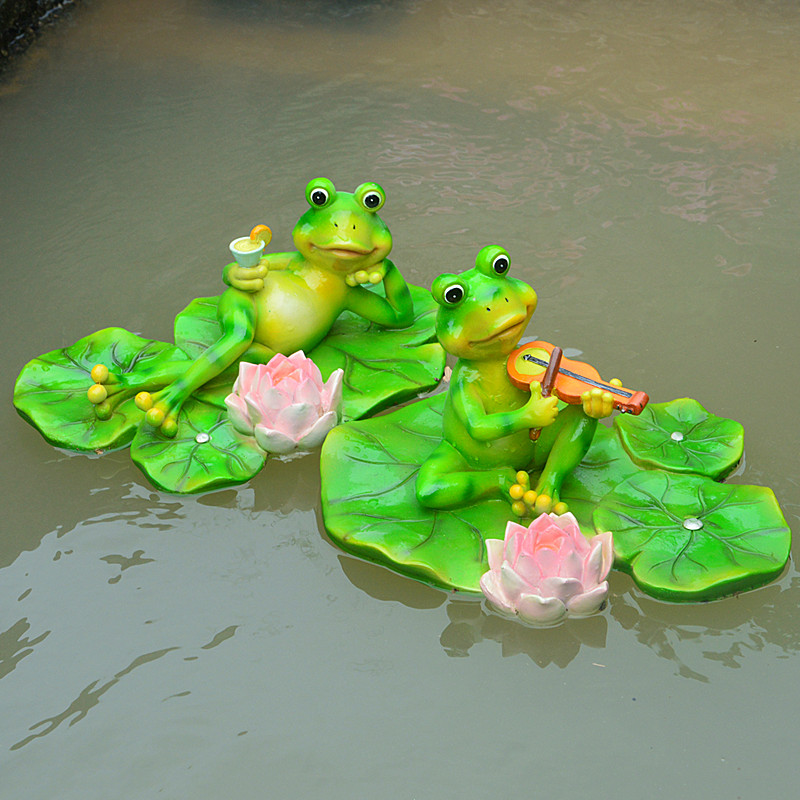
[512, 328]
[346, 251]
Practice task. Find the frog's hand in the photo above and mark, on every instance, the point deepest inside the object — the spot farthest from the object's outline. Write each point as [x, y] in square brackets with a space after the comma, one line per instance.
[538, 412]
[371, 277]
[246, 279]
[597, 403]
[396, 310]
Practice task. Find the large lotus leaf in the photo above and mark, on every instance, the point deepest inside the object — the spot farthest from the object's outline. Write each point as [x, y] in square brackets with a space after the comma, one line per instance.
[206, 453]
[369, 470]
[682, 436]
[604, 466]
[687, 537]
[51, 390]
[197, 327]
[382, 367]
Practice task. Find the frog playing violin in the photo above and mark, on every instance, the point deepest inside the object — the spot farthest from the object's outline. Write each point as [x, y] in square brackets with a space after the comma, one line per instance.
[501, 416]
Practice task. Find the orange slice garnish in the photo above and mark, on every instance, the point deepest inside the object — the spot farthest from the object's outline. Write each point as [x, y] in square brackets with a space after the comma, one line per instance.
[261, 233]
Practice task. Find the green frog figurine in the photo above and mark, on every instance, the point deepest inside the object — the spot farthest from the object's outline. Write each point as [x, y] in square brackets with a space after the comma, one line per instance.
[288, 302]
[487, 451]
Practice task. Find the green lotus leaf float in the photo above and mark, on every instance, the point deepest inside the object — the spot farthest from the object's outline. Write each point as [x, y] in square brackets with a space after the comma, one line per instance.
[370, 508]
[205, 454]
[382, 367]
[369, 469]
[337, 299]
[687, 537]
[50, 392]
[682, 436]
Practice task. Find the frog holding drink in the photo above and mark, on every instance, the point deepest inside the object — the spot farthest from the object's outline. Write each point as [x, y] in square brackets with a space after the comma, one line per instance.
[285, 302]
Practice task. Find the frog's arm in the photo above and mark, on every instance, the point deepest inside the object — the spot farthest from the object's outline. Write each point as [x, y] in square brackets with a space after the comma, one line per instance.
[538, 412]
[396, 310]
[251, 279]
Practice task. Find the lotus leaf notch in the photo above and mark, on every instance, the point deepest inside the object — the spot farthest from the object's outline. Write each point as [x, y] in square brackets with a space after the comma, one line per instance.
[549, 570]
[285, 404]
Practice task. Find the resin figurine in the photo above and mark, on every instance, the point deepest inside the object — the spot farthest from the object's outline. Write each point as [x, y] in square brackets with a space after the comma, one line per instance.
[338, 299]
[287, 303]
[426, 488]
[487, 418]
[284, 404]
[548, 570]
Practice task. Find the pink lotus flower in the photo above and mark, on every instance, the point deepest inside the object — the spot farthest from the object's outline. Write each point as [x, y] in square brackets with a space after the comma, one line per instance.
[548, 570]
[284, 403]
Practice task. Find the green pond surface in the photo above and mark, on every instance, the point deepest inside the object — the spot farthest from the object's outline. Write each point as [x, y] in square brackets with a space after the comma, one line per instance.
[638, 159]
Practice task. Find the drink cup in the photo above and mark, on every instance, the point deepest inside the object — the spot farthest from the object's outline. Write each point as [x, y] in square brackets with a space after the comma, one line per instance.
[246, 251]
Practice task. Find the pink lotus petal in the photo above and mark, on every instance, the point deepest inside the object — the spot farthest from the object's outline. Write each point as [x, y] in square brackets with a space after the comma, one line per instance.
[512, 583]
[295, 420]
[588, 602]
[309, 392]
[237, 413]
[248, 376]
[265, 407]
[495, 550]
[527, 567]
[318, 431]
[332, 390]
[548, 560]
[274, 441]
[548, 569]
[495, 592]
[540, 610]
[562, 588]
[571, 565]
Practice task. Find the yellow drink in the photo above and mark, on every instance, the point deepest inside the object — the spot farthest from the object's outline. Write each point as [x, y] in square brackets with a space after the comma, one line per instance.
[247, 245]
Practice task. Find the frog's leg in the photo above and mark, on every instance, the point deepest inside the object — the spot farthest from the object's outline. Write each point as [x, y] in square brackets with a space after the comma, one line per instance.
[110, 390]
[559, 449]
[446, 480]
[237, 317]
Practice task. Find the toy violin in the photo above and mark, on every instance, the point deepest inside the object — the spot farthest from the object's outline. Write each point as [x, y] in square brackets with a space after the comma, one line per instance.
[543, 362]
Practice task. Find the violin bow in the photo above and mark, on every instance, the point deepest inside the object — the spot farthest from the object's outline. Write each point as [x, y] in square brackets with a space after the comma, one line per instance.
[548, 380]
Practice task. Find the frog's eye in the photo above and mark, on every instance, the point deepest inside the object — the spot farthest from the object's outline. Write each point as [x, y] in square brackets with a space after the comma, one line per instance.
[493, 261]
[501, 264]
[319, 197]
[371, 196]
[320, 192]
[453, 295]
[448, 290]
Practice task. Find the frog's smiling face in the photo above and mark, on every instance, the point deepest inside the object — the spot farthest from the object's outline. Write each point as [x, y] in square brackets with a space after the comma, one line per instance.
[342, 232]
[483, 312]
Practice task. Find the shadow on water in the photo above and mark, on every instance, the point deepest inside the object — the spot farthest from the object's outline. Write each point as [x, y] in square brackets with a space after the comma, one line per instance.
[688, 635]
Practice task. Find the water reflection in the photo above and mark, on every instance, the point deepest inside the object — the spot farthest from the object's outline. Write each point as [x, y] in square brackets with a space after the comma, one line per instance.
[15, 644]
[471, 624]
[692, 636]
[86, 700]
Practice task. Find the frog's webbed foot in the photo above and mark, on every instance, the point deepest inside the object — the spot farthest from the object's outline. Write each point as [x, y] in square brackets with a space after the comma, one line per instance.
[107, 391]
[161, 410]
[528, 502]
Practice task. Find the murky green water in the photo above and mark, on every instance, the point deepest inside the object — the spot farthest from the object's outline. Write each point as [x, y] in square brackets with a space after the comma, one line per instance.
[639, 160]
